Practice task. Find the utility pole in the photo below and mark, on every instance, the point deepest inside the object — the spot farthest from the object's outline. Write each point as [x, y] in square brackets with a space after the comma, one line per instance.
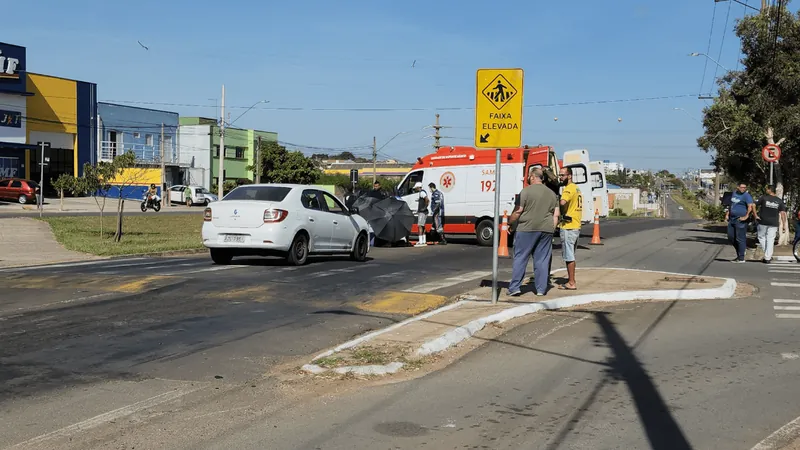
[258, 161]
[716, 188]
[41, 181]
[164, 194]
[374, 159]
[221, 181]
[437, 136]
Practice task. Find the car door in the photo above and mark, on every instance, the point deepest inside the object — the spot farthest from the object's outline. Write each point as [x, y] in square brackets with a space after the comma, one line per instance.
[175, 195]
[316, 221]
[344, 228]
[4, 189]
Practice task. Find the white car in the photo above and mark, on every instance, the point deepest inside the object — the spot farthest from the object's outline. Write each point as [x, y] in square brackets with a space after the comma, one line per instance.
[288, 220]
[191, 195]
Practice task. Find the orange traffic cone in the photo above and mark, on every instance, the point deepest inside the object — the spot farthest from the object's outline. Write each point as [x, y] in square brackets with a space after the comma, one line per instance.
[596, 234]
[502, 249]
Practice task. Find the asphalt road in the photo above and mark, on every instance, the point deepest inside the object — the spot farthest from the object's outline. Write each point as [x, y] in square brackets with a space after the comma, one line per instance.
[661, 375]
[108, 334]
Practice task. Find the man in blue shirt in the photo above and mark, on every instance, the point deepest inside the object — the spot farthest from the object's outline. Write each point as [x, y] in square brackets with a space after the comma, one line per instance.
[737, 216]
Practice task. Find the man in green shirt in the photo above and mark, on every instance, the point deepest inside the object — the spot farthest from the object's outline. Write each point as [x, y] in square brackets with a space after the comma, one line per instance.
[536, 219]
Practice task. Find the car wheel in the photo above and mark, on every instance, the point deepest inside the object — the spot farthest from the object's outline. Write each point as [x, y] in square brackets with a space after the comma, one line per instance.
[22, 199]
[205, 203]
[189, 202]
[359, 252]
[298, 252]
[485, 233]
[221, 257]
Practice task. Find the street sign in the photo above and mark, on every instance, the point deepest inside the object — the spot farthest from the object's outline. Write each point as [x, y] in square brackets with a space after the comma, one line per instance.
[498, 108]
[771, 153]
[354, 176]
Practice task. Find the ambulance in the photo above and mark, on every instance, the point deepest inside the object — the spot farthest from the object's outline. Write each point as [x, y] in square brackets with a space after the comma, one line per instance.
[466, 177]
[597, 171]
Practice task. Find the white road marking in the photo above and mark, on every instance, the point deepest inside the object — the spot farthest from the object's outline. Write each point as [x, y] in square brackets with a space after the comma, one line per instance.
[110, 416]
[210, 269]
[786, 308]
[782, 300]
[778, 438]
[785, 271]
[785, 284]
[787, 316]
[447, 282]
[62, 302]
[790, 356]
[72, 264]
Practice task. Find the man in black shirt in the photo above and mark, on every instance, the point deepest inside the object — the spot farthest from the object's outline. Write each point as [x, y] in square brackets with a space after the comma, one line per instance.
[771, 214]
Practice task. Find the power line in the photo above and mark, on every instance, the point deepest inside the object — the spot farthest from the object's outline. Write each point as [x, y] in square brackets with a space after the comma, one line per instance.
[722, 41]
[470, 108]
[708, 50]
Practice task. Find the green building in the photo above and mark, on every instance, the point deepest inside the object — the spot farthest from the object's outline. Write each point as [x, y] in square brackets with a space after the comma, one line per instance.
[199, 142]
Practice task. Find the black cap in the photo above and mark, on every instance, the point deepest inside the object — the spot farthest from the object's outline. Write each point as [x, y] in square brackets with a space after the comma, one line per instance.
[431, 185]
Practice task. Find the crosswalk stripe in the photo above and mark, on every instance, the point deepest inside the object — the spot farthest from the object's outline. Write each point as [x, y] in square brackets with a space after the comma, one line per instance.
[783, 300]
[447, 282]
[796, 272]
[785, 284]
[787, 316]
[786, 308]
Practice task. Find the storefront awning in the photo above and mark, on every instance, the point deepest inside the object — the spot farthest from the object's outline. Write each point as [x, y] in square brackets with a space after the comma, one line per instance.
[17, 145]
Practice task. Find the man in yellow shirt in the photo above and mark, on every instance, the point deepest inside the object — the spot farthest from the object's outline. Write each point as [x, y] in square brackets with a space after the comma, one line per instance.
[571, 214]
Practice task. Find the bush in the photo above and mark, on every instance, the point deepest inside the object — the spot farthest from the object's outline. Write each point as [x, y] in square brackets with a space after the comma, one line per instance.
[618, 212]
[714, 213]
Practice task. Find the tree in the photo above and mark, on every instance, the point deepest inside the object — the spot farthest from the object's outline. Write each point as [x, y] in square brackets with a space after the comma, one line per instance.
[125, 177]
[759, 105]
[63, 183]
[282, 166]
[95, 182]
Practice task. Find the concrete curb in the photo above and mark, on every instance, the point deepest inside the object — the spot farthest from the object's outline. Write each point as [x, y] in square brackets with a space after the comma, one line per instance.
[464, 332]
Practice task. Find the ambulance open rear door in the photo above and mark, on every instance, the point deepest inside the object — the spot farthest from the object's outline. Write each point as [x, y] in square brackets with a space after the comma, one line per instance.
[597, 172]
[578, 161]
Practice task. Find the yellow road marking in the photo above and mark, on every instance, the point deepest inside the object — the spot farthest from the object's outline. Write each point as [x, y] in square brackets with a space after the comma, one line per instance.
[106, 283]
[252, 293]
[393, 302]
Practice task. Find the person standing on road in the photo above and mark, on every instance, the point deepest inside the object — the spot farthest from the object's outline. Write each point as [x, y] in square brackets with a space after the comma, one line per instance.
[737, 216]
[571, 214]
[771, 214]
[422, 213]
[536, 218]
[437, 210]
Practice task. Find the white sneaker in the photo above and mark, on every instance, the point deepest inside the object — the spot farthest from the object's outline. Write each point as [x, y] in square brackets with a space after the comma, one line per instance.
[420, 244]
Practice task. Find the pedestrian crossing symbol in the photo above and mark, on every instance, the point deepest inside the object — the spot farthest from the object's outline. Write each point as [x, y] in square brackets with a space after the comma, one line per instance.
[499, 91]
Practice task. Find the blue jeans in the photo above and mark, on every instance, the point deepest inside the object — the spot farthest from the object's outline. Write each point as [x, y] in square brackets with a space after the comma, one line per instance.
[541, 246]
[737, 235]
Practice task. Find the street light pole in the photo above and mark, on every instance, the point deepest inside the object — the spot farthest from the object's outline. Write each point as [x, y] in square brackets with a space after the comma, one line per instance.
[710, 59]
[221, 179]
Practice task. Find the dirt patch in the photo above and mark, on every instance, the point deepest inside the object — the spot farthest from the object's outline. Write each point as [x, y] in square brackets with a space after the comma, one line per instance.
[374, 355]
[744, 290]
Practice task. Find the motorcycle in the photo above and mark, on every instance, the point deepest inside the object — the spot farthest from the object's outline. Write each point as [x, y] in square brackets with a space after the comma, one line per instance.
[151, 202]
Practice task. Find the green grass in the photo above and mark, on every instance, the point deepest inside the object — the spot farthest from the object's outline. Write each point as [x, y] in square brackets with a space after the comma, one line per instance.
[141, 233]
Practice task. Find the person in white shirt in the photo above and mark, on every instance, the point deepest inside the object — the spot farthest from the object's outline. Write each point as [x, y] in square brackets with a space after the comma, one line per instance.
[422, 213]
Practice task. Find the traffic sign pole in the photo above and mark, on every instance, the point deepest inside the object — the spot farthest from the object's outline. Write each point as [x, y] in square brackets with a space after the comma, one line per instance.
[495, 234]
[771, 171]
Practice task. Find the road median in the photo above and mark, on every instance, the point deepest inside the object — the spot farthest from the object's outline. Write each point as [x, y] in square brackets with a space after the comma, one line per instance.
[410, 344]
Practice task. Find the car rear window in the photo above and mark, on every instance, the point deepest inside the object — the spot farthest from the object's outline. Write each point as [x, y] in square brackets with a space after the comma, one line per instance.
[32, 184]
[259, 193]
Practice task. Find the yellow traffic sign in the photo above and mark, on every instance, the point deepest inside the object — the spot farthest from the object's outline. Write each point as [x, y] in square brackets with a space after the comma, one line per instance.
[498, 108]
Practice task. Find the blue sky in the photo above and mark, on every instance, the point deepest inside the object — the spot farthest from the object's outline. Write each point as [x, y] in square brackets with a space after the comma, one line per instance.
[314, 54]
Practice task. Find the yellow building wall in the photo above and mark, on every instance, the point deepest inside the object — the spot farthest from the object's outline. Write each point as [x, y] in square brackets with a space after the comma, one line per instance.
[53, 109]
[139, 176]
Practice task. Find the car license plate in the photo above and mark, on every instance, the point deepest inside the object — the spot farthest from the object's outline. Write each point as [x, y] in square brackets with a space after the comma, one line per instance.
[234, 238]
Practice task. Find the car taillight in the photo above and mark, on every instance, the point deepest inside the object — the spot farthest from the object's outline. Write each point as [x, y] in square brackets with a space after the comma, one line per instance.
[274, 215]
[207, 215]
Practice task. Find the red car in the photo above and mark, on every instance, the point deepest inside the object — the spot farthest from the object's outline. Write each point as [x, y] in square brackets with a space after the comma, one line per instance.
[23, 191]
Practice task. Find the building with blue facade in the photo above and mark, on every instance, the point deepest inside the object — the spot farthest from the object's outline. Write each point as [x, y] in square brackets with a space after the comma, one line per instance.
[128, 128]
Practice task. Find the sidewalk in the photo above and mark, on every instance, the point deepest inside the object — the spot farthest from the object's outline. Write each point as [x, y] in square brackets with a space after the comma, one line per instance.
[27, 242]
[86, 205]
[406, 343]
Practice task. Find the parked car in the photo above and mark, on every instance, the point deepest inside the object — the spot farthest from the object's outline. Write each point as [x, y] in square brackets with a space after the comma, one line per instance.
[191, 195]
[287, 220]
[18, 189]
